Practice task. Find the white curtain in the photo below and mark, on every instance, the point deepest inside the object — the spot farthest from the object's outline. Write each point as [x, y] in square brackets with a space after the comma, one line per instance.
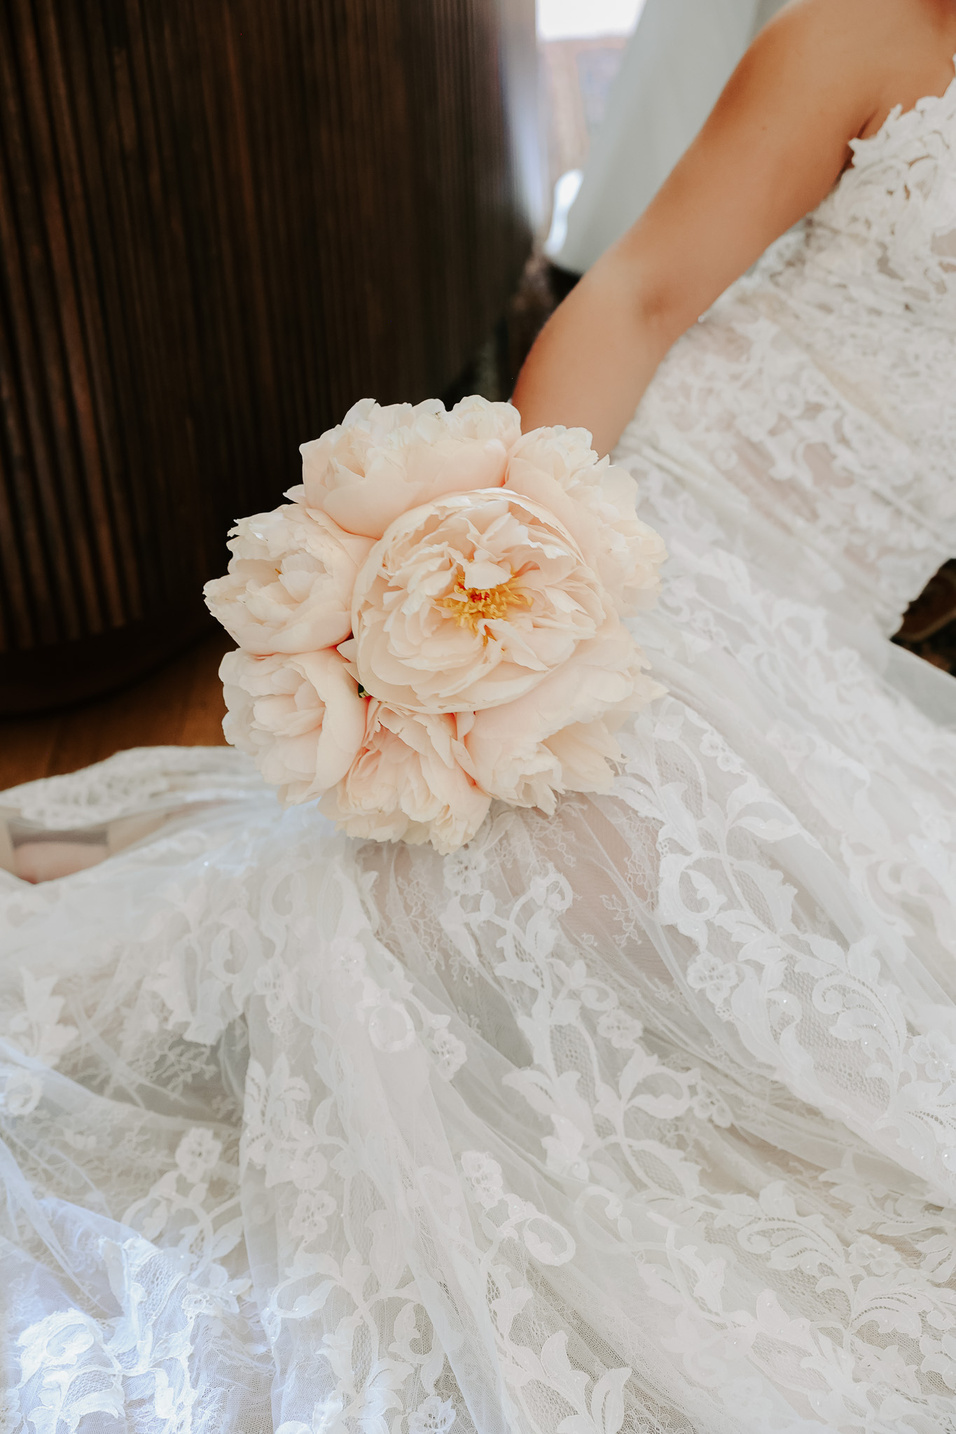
[675, 66]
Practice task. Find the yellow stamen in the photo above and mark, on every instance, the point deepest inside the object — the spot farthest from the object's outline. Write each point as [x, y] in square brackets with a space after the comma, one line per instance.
[471, 606]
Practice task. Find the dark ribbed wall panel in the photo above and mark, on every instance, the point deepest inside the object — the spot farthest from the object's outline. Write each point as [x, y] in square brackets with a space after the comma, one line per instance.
[221, 222]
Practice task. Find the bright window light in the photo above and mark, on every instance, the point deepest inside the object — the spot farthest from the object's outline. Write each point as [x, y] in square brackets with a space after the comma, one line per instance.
[582, 19]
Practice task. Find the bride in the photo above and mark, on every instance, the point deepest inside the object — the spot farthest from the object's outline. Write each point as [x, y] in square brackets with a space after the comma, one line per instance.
[640, 1119]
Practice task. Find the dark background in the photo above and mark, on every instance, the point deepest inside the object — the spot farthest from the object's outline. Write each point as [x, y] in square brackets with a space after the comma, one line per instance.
[221, 223]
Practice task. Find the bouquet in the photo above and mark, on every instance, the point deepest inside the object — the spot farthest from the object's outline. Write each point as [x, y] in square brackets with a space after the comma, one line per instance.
[435, 621]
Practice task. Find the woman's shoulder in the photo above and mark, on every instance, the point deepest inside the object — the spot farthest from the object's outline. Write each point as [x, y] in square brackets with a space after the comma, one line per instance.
[869, 24]
[878, 53]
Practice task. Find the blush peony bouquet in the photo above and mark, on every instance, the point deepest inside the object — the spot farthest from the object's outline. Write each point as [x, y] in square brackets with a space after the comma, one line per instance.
[435, 620]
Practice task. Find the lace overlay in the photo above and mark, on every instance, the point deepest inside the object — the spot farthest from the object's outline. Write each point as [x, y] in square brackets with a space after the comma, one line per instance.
[812, 410]
[637, 1120]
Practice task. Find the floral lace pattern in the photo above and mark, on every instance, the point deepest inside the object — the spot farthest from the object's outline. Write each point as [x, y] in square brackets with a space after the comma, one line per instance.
[637, 1120]
[129, 784]
[812, 410]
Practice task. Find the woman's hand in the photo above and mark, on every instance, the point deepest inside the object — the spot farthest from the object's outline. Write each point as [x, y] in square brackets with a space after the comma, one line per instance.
[822, 73]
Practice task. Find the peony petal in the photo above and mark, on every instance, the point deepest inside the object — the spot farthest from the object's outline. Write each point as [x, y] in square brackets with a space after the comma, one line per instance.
[517, 752]
[289, 584]
[407, 784]
[300, 717]
[380, 462]
[597, 501]
[430, 635]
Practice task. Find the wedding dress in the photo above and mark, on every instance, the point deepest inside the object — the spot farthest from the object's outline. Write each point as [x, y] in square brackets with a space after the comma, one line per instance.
[637, 1119]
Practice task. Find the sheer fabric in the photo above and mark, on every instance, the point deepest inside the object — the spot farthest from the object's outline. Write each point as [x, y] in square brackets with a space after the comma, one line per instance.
[640, 1118]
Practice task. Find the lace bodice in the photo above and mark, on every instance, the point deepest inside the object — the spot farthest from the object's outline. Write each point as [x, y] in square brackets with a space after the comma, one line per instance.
[819, 389]
[885, 236]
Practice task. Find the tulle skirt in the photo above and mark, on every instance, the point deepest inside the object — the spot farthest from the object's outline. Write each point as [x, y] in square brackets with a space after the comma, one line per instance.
[639, 1118]
[636, 1120]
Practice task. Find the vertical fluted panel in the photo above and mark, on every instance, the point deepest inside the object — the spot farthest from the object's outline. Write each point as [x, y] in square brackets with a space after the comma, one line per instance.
[221, 223]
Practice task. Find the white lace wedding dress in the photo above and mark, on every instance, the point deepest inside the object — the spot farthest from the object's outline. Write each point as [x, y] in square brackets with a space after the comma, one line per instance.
[635, 1120]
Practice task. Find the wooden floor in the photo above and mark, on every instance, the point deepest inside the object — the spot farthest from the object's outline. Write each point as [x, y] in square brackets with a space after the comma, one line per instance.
[180, 705]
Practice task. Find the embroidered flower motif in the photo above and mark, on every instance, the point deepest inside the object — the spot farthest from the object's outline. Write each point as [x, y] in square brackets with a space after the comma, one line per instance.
[80, 1140]
[197, 1153]
[348, 956]
[435, 1416]
[273, 1121]
[708, 1105]
[461, 874]
[878, 1258]
[310, 1218]
[308, 1167]
[21, 1093]
[216, 1295]
[449, 1052]
[390, 1025]
[484, 1176]
[936, 1055]
[552, 892]
[275, 983]
[714, 977]
[622, 1030]
[37, 1030]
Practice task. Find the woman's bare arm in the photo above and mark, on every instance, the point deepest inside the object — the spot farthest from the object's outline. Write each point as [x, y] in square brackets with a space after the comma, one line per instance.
[773, 147]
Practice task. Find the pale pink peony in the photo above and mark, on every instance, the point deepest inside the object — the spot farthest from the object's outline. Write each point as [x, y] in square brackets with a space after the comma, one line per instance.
[595, 500]
[407, 784]
[470, 602]
[559, 736]
[300, 717]
[379, 462]
[289, 584]
[435, 621]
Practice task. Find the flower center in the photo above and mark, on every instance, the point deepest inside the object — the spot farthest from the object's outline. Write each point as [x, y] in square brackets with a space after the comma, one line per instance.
[471, 606]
